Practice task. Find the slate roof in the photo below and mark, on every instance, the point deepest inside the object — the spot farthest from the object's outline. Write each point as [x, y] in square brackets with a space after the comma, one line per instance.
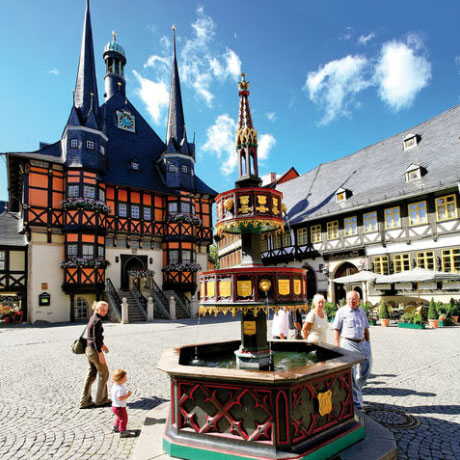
[11, 225]
[376, 174]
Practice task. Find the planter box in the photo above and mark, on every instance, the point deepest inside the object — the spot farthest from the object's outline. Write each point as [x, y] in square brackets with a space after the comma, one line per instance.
[372, 322]
[411, 325]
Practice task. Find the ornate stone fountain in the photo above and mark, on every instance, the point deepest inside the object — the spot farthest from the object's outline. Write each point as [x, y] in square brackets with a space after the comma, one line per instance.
[232, 399]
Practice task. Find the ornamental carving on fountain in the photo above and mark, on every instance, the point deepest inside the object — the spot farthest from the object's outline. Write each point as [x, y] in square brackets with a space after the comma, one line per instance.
[251, 288]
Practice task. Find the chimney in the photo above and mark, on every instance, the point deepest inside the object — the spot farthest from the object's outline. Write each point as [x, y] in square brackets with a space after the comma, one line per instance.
[272, 177]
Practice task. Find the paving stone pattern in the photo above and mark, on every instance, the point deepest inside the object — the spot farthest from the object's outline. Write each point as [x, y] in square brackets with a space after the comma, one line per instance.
[414, 387]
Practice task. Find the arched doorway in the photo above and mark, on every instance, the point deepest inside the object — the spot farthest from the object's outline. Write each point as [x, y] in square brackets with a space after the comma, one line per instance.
[131, 263]
[311, 282]
[345, 269]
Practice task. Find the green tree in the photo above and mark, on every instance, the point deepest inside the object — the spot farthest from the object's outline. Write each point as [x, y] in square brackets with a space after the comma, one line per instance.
[213, 255]
[383, 312]
[432, 310]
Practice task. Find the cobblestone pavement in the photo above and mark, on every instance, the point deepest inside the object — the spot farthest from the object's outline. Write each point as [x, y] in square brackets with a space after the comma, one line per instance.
[414, 387]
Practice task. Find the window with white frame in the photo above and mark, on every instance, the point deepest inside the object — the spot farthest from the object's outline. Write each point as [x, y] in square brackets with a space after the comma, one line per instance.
[72, 250]
[135, 165]
[101, 194]
[122, 210]
[89, 192]
[73, 143]
[186, 256]
[184, 169]
[381, 265]
[172, 207]
[100, 252]
[315, 233]
[446, 207]
[147, 213]
[173, 256]
[401, 262]
[90, 145]
[185, 207]
[370, 222]
[172, 168]
[81, 309]
[417, 213]
[73, 191]
[2, 260]
[351, 226]
[135, 211]
[392, 218]
[302, 236]
[333, 230]
[88, 251]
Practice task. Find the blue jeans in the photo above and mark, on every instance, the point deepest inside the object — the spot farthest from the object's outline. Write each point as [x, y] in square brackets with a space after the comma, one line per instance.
[359, 372]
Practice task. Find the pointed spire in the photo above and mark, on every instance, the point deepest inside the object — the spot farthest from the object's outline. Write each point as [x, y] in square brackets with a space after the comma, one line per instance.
[176, 122]
[86, 84]
[246, 140]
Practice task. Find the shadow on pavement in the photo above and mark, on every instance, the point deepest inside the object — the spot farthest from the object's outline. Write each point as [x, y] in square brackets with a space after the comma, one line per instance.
[146, 403]
[393, 392]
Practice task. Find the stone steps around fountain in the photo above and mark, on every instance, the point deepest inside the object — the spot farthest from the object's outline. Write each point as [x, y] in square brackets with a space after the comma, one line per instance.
[378, 444]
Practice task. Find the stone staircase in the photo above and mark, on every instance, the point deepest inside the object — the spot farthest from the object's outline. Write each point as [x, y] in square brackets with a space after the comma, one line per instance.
[135, 314]
[181, 309]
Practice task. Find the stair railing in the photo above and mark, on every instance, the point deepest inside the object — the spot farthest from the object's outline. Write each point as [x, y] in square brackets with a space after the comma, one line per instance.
[161, 303]
[113, 299]
[141, 301]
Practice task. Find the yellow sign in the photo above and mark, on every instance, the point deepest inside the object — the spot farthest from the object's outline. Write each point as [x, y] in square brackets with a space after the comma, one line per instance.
[202, 289]
[249, 327]
[244, 201]
[262, 200]
[210, 289]
[283, 287]
[304, 287]
[244, 288]
[325, 402]
[225, 288]
[276, 211]
[297, 287]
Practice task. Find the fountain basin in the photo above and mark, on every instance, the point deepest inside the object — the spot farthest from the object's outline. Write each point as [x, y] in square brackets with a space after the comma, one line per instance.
[298, 413]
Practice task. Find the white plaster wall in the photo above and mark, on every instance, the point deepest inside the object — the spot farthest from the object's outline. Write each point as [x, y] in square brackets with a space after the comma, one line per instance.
[201, 259]
[113, 271]
[45, 267]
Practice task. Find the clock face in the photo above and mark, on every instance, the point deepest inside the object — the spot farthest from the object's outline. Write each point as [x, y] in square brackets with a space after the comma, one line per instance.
[126, 121]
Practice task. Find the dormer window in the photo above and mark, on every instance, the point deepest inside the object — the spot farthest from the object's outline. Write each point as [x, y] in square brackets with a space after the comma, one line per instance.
[90, 145]
[410, 141]
[414, 172]
[184, 169]
[135, 165]
[342, 194]
[73, 143]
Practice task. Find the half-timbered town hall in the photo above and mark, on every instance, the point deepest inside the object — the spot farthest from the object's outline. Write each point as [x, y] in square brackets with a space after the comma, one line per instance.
[110, 207]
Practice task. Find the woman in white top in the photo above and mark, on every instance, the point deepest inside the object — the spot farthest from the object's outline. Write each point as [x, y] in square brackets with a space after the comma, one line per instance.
[316, 325]
[280, 324]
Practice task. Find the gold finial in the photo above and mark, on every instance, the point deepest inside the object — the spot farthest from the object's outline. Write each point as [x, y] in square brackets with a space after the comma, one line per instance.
[173, 28]
[114, 36]
[243, 85]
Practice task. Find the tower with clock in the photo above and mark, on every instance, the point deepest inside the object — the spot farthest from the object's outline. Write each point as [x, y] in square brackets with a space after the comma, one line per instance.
[105, 204]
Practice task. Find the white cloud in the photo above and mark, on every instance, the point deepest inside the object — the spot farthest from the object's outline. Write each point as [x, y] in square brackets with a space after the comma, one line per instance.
[221, 142]
[201, 60]
[271, 116]
[334, 85]
[363, 39]
[266, 143]
[55, 72]
[155, 96]
[400, 74]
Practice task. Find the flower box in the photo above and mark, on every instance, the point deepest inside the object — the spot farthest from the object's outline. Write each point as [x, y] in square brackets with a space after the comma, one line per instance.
[372, 322]
[411, 325]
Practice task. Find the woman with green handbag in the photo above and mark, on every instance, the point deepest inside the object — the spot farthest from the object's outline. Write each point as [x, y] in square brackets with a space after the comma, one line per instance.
[97, 365]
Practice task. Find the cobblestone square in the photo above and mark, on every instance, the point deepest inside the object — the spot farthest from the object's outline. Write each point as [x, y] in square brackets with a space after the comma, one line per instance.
[413, 389]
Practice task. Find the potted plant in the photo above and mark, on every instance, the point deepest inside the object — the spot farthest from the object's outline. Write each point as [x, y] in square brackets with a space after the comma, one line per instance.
[384, 314]
[366, 306]
[433, 315]
[454, 310]
[412, 320]
[330, 308]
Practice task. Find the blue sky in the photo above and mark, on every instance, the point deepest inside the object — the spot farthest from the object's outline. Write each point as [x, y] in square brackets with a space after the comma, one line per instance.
[327, 78]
